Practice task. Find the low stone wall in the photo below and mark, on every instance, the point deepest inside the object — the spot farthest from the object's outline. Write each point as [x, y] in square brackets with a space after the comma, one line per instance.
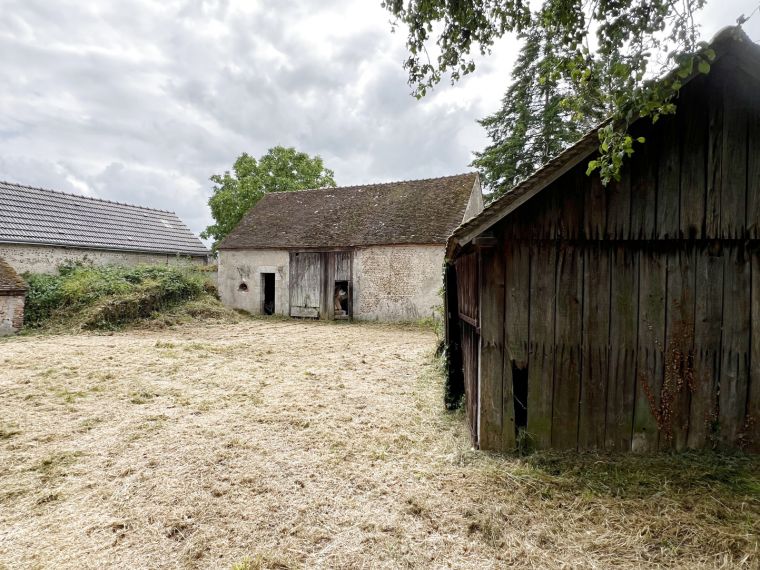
[46, 259]
[11, 314]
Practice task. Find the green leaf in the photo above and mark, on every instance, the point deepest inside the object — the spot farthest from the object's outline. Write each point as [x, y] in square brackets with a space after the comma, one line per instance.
[641, 140]
[592, 165]
[704, 67]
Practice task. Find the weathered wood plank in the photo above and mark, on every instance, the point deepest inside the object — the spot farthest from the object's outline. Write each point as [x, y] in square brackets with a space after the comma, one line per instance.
[669, 180]
[541, 357]
[679, 345]
[753, 176]
[621, 384]
[752, 421]
[595, 356]
[644, 188]
[714, 154]
[571, 197]
[735, 344]
[492, 265]
[652, 275]
[693, 124]
[733, 197]
[619, 206]
[707, 330]
[306, 281]
[516, 332]
[567, 343]
[595, 209]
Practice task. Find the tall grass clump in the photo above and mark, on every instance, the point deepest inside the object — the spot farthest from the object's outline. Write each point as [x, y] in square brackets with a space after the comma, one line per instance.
[108, 297]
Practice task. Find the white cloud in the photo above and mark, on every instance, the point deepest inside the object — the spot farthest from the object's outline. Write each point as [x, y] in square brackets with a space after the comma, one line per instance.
[141, 102]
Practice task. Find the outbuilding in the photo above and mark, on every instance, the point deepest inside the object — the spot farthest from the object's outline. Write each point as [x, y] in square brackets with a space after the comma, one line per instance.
[623, 318]
[371, 252]
[12, 296]
[42, 229]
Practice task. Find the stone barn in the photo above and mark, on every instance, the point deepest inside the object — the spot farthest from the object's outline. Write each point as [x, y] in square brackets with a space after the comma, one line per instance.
[370, 252]
[42, 229]
[624, 318]
[12, 296]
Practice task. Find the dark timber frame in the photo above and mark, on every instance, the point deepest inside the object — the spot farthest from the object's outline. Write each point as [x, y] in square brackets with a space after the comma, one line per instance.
[633, 310]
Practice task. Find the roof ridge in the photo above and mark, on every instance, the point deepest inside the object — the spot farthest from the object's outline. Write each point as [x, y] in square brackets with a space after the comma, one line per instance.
[462, 174]
[29, 187]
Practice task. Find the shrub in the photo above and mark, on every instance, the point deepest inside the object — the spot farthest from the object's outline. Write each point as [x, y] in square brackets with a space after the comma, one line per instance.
[107, 297]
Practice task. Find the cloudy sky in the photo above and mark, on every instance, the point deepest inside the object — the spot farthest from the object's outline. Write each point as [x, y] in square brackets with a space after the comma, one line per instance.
[142, 101]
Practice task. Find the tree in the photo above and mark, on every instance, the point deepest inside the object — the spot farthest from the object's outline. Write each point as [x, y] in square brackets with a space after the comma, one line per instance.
[281, 169]
[614, 44]
[534, 122]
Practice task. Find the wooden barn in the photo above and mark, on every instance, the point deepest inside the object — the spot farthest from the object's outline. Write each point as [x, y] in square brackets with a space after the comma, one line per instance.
[626, 317]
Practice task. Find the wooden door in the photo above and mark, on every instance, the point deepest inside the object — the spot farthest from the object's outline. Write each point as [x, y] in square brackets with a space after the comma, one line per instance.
[305, 284]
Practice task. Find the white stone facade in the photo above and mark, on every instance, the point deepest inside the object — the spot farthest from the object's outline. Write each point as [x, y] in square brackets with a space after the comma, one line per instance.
[240, 280]
[390, 282]
[46, 259]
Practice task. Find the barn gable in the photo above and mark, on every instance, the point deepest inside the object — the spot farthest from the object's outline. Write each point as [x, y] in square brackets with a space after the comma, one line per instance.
[623, 318]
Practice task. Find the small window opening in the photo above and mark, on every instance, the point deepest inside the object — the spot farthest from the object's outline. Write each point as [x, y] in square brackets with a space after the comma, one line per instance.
[341, 299]
[243, 287]
[267, 293]
[520, 395]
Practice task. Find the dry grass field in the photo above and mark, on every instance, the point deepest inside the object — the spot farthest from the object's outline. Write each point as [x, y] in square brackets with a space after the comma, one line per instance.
[274, 444]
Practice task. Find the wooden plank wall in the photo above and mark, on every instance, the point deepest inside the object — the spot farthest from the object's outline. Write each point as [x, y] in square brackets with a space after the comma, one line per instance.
[634, 309]
[468, 274]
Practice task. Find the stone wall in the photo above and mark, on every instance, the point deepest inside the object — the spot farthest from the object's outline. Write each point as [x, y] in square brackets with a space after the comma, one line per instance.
[46, 259]
[11, 314]
[240, 280]
[398, 282]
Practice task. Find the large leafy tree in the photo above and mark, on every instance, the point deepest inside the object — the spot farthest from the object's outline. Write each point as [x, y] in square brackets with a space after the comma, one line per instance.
[607, 52]
[534, 122]
[281, 169]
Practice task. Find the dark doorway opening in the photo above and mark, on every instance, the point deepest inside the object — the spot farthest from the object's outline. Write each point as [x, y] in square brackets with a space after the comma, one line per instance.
[267, 293]
[340, 299]
[520, 392]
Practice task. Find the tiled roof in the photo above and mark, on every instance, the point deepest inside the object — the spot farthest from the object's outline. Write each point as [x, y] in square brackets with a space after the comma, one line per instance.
[413, 211]
[10, 282]
[39, 216]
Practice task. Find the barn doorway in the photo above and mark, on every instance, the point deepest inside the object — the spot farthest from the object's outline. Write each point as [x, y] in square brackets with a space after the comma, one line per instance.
[267, 293]
[340, 299]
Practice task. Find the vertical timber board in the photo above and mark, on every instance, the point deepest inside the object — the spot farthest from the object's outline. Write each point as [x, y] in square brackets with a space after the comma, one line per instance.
[567, 346]
[541, 353]
[752, 422]
[714, 154]
[649, 368]
[643, 169]
[734, 373]
[491, 347]
[595, 205]
[679, 346]
[595, 359]
[708, 314]
[753, 176]
[733, 198]
[516, 330]
[693, 128]
[306, 280]
[623, 327]
[571, 197]
[328, 286]
[668, 179]
[619, 206]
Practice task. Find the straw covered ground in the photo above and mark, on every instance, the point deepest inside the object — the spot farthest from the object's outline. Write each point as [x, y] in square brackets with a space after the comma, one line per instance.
[275, 444]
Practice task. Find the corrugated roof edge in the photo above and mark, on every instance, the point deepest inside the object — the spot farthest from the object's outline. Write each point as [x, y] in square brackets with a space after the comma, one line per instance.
[167, 251]
[726, 39]
[86, 197]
